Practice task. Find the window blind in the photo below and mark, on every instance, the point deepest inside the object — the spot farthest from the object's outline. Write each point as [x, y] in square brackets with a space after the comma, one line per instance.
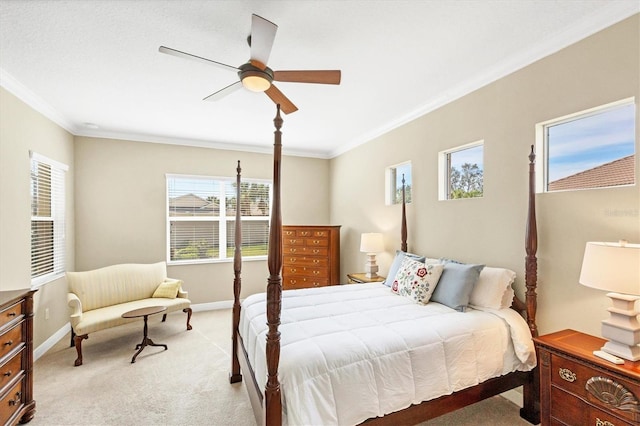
[48, 245]
[201, 216]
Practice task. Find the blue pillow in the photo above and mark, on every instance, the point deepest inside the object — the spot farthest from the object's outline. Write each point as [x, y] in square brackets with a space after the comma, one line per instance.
[395, 265]
[456, 284]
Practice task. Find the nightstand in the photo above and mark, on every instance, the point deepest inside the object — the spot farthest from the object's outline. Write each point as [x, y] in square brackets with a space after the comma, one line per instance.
[578, 388]
[360, 278]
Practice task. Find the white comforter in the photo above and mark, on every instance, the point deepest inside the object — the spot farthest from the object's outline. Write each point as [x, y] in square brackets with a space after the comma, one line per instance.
[352, 352]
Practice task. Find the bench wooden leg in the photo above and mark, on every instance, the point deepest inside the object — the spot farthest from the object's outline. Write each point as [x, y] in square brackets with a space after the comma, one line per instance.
[188, 311]
[78, 343]
[73, 334]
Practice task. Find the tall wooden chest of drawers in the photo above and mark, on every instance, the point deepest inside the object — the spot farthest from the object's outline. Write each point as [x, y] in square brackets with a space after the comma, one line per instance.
[311, 256]
[577, 388]
[16, 357]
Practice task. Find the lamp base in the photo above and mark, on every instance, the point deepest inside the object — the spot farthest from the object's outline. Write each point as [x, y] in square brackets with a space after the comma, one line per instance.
[371, 268]
[622, 328]
[632, 353]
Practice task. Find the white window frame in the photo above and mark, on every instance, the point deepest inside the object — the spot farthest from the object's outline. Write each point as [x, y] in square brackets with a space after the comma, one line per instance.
[57, 247]
[390, 183]
[542, 147]
[221, 219]
[443, 169]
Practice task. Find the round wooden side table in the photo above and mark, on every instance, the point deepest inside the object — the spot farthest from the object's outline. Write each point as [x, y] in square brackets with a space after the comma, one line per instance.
[145, 312]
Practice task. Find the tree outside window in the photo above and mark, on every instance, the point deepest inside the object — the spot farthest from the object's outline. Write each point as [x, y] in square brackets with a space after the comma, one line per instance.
[462, 172]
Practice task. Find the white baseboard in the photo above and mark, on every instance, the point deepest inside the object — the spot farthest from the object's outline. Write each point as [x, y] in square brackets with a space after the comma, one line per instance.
[58, 335]
[212, 306]
[51, 341]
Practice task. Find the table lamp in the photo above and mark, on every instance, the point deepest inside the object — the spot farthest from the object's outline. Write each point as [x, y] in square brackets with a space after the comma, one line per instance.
[615, 267]
[371, 243]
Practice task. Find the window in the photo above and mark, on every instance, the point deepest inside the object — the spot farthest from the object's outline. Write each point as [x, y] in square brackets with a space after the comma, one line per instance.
[395, 175]
[201, 214]
[588, 149]
[461, 172]
[47, 219]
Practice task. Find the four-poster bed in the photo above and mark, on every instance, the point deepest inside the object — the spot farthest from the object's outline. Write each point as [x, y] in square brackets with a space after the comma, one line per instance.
[260, 357]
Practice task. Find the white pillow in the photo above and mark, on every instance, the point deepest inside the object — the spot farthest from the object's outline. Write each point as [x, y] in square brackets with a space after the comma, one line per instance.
[493, 288]
[416, 281]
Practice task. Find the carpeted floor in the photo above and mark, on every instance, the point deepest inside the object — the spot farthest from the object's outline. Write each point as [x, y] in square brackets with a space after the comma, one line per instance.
[185, 385]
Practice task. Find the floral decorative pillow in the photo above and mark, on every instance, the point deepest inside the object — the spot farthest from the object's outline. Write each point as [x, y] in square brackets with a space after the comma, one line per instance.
[416, 280]
[395, 265]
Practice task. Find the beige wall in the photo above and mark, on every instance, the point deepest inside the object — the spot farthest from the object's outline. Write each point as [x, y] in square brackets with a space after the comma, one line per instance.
[595, 71]
[22, 130]
[121, 206]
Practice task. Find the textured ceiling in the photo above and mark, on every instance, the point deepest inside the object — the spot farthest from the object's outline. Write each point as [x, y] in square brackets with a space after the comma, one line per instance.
[97, 62]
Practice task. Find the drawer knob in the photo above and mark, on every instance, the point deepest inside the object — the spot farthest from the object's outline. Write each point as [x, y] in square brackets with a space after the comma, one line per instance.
[603, 423]
[8, 373]
[568, 375]
[8, 343]
[16, 400]
[613, 394]
[316, 241]
[316, 251]
[11, 314]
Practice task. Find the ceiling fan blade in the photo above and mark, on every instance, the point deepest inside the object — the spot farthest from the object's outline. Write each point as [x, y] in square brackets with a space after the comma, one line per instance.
[309, 76]
[179, 54]
[263, 33]
[279, 98]
[224, 92]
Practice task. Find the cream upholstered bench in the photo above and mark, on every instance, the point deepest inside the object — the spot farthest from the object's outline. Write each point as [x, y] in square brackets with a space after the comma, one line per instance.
[98, 298]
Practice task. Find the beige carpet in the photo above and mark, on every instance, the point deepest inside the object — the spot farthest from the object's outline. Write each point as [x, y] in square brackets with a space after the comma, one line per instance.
[185, 385]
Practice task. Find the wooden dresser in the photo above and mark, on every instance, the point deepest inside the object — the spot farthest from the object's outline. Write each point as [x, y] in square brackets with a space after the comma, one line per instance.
[311, 256]
[16, 357]
[578, 388]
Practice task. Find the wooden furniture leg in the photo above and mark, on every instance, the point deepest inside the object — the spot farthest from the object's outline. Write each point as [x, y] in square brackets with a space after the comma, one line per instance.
[530, 410]
[77, 340]
[188, 311]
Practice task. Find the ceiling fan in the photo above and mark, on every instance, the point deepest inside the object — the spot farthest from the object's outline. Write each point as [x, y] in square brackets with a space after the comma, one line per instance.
[255, 75]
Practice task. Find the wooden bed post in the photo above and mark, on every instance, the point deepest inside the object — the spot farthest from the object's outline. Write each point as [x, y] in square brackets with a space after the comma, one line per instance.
[235, 376]
[403, 231]
[272, 406]
[531, 390]
[531, 246]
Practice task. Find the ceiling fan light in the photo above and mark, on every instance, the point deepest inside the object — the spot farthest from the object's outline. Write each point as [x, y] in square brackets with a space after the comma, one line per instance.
[256, 83]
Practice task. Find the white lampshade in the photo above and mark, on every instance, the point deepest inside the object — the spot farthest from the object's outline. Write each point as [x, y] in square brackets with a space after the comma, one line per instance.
[612, 267]
[615, 267]
[371, 243]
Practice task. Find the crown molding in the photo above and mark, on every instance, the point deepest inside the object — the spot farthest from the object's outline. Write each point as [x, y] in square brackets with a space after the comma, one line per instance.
[34, 101]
